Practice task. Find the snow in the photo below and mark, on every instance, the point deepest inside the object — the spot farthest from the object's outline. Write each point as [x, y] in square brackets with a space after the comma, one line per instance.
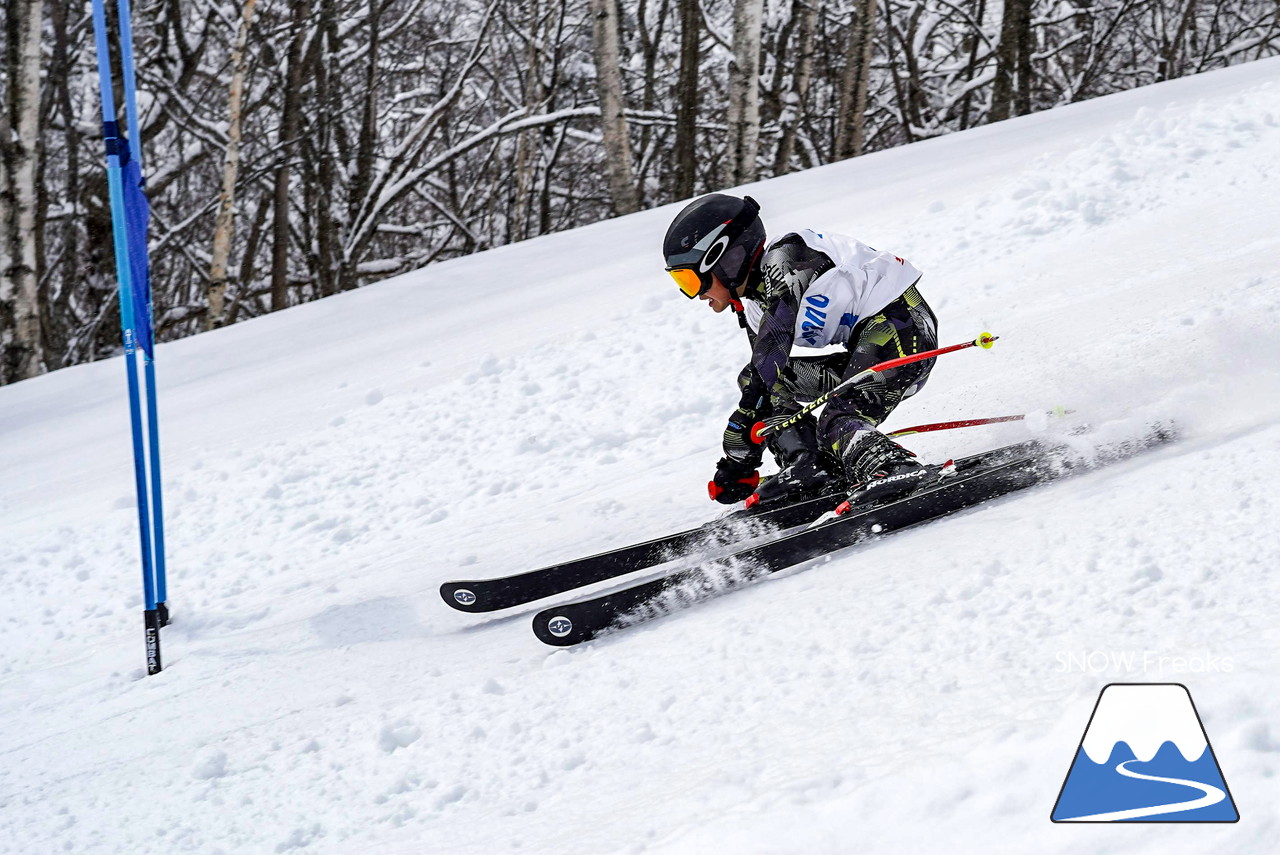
[329, 466]
[1144, 718]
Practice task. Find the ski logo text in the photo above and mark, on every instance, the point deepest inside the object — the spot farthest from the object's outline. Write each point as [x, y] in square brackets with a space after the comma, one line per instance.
[465, 597]
[815, 317]
[903, 476]
[560, 626]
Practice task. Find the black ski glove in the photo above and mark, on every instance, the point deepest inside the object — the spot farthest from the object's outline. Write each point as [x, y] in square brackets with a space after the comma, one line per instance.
[738, 445]
[733, 482]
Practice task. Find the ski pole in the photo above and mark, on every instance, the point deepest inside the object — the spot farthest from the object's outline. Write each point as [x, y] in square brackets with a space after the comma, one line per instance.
[765, 429]
[956, 424]
[961, 423]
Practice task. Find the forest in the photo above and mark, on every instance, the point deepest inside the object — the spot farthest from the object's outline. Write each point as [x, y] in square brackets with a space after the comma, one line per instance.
[293, 150]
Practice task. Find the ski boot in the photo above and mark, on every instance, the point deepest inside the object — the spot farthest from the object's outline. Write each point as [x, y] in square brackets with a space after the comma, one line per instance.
[804, 474]
[878, 469]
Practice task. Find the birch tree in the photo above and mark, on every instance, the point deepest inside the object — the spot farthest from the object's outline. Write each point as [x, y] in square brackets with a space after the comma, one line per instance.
[743, 115]
[21, 345]
[222, 230]
[804, 16]
[613, 120]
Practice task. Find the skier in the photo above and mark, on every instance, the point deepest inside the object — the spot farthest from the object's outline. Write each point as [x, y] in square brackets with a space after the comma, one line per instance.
[806, 289]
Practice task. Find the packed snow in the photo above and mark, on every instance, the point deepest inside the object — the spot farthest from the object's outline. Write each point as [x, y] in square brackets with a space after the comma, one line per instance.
[326, 468]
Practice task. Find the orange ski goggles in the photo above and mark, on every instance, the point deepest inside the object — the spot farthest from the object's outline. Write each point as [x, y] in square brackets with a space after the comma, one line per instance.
[691, 283]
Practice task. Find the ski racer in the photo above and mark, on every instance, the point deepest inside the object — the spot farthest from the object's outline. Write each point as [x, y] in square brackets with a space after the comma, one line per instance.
[805, 289]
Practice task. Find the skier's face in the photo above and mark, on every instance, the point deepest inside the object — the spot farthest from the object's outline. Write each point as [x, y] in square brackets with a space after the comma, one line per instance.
[717, 296]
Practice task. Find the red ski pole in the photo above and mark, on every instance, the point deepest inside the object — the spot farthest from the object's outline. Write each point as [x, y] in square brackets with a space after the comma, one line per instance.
[956, 424]
[765, 429]
[1056, 412]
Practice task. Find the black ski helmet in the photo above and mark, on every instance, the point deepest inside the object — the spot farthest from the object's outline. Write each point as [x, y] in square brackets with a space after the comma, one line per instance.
[717, 234]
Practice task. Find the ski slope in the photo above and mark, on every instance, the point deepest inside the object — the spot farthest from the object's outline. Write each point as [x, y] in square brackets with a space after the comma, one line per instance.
[327, 467]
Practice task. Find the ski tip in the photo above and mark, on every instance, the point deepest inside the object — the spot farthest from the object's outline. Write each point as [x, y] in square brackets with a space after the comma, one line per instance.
[558, 630]
[461, 597]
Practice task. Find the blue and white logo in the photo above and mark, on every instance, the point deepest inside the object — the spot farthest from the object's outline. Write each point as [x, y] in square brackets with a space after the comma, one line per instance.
[1145, 757]
[463, 596]
[559, 626]
[815, 317]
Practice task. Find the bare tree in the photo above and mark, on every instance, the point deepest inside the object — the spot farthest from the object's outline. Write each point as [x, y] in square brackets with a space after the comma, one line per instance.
[744, 94]
[1012, 93]
[21, 344]
[804, 14]
[222, 231]
[687, 98]
[855, 81]
[613, 120]
[290, 126]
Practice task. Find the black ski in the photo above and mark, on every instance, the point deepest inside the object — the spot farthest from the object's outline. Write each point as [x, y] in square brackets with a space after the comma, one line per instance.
[573, 623]
[486, 595]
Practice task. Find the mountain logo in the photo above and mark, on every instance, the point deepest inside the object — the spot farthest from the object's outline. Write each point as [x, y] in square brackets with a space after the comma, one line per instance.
[1145, 757]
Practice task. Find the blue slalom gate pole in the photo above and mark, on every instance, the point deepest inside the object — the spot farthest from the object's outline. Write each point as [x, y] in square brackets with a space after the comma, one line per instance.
[129, 216]
[125, 16]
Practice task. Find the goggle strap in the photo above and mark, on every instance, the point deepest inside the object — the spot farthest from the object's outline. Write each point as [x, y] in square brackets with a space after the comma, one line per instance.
[743, 219]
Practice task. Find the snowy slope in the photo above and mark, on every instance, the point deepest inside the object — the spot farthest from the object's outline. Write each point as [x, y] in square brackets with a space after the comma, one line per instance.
[328, 467]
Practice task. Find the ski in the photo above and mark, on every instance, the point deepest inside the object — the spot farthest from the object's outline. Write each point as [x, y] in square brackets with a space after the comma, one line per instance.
[724, 534]
[572, 623]
[487, 595]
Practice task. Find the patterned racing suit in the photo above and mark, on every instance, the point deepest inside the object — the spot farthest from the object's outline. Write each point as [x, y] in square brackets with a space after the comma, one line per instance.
[820, 290]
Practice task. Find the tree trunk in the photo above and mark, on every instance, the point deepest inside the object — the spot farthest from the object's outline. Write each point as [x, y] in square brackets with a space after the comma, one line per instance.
[225, 224]
[367, 141]
[1026, 46]
[973, 42]
[805, 14]
[855, 82]
[1011, 91]
[61, 284]
[613, 121]
[322, 186]
[525, 162]
[336, 272]
[1170, 65]
[687, 99]
[744, 94]
[21, 344]
[290, 123]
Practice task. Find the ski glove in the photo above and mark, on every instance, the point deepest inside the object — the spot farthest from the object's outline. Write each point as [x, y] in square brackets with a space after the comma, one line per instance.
[734, 481]
[738, 445]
